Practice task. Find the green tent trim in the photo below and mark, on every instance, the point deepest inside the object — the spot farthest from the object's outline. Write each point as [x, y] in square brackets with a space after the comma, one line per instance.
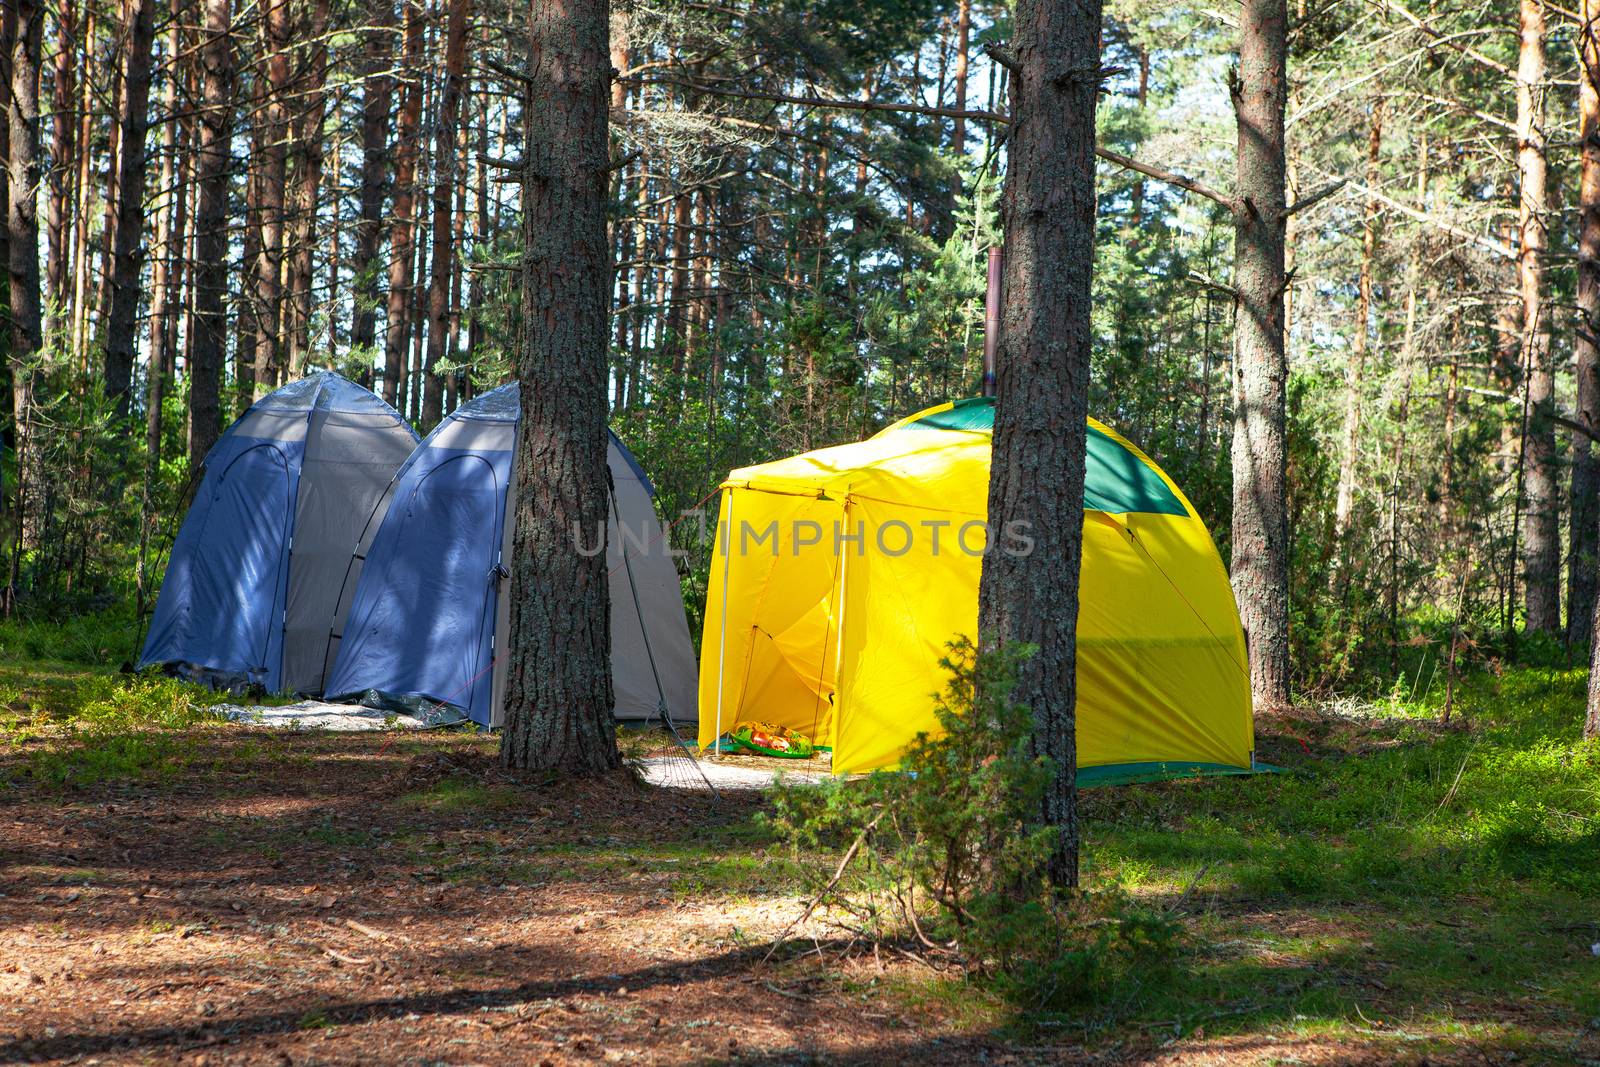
[1114, 480]
[1106, 774]
[1131, 773]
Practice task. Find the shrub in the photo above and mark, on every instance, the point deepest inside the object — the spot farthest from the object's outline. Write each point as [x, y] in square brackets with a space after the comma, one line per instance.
[126, 728]
[947, 855]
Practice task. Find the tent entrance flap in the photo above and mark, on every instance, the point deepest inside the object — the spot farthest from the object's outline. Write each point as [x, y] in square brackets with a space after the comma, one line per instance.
[777, 649]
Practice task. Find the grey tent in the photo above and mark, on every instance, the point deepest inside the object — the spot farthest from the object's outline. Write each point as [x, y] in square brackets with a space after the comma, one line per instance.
[254, 574]
[424, 618]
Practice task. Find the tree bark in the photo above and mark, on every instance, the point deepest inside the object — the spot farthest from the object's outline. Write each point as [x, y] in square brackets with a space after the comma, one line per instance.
[444, 185]
[207, 352]
[272, 177]
[63, 147]
[127, 257]
[335, 255]
[83, 188]
[454, 381]
[108, 230]
[1541, 538]
[480, 240]
[26, 33]
[1581, 583]
[301, 237]
[1048, 214]
[377, 93]
[397, 319]
[8, 39]
[958, 137]
[168, 216]
[678, 298]
[1345, 499]
[1260, 495]
[559, 692]
[1591, 720]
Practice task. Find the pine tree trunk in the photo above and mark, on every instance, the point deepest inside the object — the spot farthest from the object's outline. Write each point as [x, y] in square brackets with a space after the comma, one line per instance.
[377, 93]
[1541, 537]
[1048, 213]
[620, 232]
[25, 34]
[1581, 583]
[272, 177]
[179, 319]
[209, 347]
[678, 298]
[1345, 499]
[335, 260]
[82, 190]
[455, 379]
[397, 320]
[1260, 495]
[417, 310]
[302, 236]
[958, 138]
[480, 245]
[167, 225]
[108, 230]
[8, 38]
[559, 690]
[63, 148]
[127, 258]
[444, 184]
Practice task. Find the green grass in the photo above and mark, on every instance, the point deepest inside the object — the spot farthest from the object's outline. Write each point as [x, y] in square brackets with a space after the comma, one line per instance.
[1508, 803]
[1417, 887]
[460, 794]
[99, 641]
[81, 721]
[111, 728]
[1430, 874]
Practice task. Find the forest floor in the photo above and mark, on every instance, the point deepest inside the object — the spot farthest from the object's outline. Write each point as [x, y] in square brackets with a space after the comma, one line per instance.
[173, 890]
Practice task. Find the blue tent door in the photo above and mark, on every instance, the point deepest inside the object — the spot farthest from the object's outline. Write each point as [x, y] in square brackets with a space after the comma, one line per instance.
[237, 582]
[453, 522]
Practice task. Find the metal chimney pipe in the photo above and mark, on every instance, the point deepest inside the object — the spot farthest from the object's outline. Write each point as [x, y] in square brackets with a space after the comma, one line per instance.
[991, 320]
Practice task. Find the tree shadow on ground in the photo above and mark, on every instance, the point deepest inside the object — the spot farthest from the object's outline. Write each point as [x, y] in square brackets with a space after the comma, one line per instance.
[255, 834]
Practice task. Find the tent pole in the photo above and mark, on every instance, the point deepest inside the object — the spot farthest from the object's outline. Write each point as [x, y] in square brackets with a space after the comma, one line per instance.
[838, 647]
[725, 537]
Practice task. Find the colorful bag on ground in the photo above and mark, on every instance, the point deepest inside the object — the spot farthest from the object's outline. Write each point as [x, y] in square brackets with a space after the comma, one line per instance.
[768, 740]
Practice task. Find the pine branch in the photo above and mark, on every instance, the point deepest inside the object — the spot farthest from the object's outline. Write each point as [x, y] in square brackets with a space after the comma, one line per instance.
[1466, 50]
[1556, 417]
[1167, 176]
[828, 102]
[1321, 194]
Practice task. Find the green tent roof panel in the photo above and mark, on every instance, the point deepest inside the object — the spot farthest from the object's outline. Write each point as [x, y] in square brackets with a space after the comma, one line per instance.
[1115, 479]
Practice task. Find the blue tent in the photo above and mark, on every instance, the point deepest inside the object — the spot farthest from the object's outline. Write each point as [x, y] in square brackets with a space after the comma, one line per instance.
[255, 572]
[425, 615]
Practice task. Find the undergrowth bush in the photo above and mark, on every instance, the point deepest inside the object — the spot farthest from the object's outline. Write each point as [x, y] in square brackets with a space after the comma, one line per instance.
[136, 727]
[946, 857]
[100, 639]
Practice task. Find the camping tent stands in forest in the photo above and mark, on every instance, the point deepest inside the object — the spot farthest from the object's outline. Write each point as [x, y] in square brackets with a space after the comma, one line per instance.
[424, 618]
[256, 566]
[419, 610]
[843, 644]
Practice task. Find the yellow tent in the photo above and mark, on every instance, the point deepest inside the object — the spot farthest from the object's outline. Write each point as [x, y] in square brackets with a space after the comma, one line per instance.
[841, 574]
